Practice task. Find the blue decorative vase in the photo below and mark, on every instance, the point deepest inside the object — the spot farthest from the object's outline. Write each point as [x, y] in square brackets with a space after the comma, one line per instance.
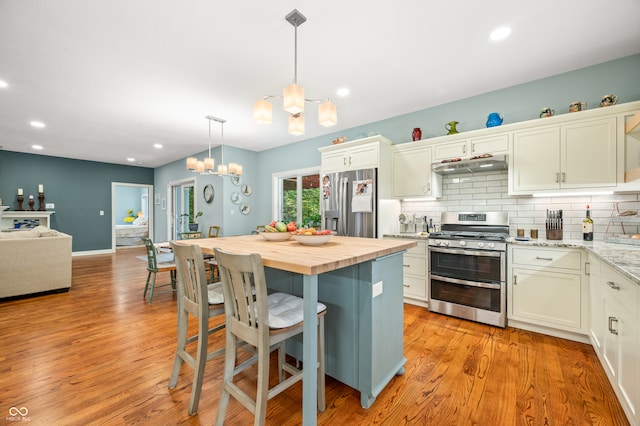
[494, 120]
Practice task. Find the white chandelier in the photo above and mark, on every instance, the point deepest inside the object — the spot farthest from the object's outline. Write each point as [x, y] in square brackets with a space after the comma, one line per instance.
[293, 95]
[208, 164]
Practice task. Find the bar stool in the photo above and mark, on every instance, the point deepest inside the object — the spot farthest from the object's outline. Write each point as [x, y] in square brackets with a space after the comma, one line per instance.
[265, 322]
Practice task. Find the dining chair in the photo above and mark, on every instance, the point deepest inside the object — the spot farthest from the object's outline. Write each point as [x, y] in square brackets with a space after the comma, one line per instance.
[198, 299]
[153, 267]
[265, 322]
[214, 231]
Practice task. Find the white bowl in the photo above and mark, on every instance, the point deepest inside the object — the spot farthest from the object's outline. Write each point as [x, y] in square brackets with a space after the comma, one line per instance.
[312, 240]
[276, 236]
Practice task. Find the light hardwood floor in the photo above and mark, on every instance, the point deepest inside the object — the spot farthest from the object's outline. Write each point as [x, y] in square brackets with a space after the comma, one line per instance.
[101, 355]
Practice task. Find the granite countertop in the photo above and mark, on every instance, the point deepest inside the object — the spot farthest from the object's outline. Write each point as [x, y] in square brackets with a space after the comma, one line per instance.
[424, 236]
[624, 258]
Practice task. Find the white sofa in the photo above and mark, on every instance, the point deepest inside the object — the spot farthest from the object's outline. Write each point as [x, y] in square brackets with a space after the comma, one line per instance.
[34, 261]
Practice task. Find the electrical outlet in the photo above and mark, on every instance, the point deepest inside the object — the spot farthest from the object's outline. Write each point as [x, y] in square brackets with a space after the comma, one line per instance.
[50, 206]
[101, 212]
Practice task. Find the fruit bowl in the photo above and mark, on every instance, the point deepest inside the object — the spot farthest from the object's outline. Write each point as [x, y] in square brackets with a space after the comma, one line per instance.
[312, 240]
[276, 236]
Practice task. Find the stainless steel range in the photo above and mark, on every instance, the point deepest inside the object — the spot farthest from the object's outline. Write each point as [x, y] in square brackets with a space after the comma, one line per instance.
[467, 266]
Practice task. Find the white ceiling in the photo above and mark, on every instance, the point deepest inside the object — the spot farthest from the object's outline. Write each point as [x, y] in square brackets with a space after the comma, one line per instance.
[111, 78]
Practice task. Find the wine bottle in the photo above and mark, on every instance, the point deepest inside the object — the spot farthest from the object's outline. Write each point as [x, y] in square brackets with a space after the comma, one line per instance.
[587, 226]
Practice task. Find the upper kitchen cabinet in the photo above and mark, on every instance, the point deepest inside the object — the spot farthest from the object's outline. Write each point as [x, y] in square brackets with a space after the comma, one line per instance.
[368, 153]
[632, 150]
[355, 155]
[496, 144]
[573, 156]
[412, 175]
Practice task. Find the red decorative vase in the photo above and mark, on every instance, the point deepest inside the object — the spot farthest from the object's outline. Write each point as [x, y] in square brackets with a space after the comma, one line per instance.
[417, 134]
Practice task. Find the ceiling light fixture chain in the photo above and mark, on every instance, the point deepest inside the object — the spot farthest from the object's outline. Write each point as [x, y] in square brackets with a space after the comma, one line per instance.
[293, 94]
[206, 167]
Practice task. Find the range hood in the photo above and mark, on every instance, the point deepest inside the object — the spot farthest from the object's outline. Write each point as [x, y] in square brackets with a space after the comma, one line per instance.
[471, 165]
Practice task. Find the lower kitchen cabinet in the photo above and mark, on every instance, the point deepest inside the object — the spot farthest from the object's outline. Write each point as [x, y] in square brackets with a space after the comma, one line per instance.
[614, 333]
[546, 288]
[415, 268]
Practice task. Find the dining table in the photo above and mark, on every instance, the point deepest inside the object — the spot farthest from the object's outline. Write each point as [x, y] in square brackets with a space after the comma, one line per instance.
[381, 261]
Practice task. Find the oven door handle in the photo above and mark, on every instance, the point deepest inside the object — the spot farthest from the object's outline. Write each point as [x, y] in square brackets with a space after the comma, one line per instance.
[466, 252]
[469, 283]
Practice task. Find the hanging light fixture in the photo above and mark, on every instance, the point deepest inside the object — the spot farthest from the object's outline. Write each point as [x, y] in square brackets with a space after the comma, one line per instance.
[293, 95]
[208, 164]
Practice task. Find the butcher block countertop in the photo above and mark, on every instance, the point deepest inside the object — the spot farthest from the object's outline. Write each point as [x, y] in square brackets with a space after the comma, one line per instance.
[292, 256]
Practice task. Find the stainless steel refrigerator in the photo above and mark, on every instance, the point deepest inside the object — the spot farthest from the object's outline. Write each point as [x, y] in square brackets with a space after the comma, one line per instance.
[349, 202]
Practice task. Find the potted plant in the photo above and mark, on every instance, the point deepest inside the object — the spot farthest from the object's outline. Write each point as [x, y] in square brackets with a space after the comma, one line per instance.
[193, 220]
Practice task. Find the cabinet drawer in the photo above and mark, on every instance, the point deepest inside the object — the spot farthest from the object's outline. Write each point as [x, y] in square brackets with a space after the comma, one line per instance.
[415, 265]
[415, 287]
[561, 259]
[621, 288]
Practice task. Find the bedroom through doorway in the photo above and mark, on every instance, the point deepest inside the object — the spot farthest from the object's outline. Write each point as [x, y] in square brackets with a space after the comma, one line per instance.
[132, 220]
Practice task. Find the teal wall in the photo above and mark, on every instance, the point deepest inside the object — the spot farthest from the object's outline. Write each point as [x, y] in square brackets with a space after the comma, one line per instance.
[79, 189]
[517, 103]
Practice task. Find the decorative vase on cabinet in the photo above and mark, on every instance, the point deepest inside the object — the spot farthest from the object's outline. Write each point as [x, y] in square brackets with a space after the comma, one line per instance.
[494, 119]
[417, 134]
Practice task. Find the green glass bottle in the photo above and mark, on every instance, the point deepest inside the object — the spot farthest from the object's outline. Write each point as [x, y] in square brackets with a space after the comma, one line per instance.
[587, 226]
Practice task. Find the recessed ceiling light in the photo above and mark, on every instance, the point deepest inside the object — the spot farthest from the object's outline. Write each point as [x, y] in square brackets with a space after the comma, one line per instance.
[38, 147]
[500, 33]
[157, 145]
[343, 91]
[38, 124]
[131, 159]
[3, 84]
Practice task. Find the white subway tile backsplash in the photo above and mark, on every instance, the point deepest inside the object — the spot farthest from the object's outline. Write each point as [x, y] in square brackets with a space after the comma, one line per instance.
[488, 191]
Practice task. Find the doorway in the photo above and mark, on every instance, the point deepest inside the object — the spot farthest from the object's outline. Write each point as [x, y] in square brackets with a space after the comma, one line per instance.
[181, 201]
[130, 214]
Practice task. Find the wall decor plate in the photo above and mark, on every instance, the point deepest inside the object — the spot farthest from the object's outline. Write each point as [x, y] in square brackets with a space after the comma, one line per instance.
[236, 198]
[245, 209]
[236, 180]
[246, 189]
[208, 193]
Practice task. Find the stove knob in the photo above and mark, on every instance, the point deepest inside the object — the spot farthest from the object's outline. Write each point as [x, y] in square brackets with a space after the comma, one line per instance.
[480, 245]
[445, 243]
[491, 245]
[463, 243]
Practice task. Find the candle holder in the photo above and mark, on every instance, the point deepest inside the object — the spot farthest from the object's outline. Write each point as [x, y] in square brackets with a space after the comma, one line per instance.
[31, 203]
[20, 200]
[41, 202]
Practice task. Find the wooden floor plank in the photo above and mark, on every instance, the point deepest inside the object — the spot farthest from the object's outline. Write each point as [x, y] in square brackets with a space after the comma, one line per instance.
[101, 355]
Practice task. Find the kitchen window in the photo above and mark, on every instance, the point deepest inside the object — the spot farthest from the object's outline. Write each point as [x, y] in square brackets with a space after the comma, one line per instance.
[296, 196]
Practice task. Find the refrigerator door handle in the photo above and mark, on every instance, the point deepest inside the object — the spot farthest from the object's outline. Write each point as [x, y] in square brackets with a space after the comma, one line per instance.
[344, 211]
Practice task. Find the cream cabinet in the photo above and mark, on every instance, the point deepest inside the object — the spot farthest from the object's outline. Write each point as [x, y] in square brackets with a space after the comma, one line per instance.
[415, 266]
[573, 156]
[546, 287]
[614, 333]
[497, 144]
[411, 173]
[364, 153]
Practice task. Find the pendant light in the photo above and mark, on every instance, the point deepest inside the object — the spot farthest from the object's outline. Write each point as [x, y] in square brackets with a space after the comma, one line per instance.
[207, 166]
[293, 99]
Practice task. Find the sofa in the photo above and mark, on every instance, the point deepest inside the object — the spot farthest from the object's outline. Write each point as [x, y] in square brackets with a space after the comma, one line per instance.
[34, 261]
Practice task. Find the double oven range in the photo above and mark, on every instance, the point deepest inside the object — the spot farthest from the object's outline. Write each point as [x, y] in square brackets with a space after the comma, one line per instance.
[467, 267]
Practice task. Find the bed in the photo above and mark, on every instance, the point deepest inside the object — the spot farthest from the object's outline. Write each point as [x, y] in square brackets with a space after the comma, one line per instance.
[131, 234]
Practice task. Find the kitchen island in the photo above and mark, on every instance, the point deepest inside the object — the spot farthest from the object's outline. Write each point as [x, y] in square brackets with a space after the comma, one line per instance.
[360, 281]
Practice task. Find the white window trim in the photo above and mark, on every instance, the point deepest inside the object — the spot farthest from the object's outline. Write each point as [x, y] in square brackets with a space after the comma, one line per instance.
[276, 193]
